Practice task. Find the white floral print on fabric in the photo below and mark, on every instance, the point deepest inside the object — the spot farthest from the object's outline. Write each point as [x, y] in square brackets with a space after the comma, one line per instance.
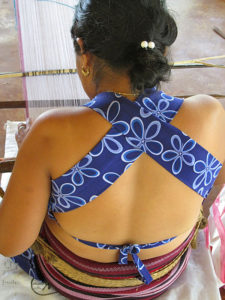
[131, 155]
[93, 198]
[207, 170]
[167, 97]
[81, 170]
[142, 140]
[160, 110]
[27, 262]
[180, 154]
[201, 192]
[28, 254]
[112, 114]
[118, 95]
[110, 177]
[109, 141]
[63, 197]
[127, 167]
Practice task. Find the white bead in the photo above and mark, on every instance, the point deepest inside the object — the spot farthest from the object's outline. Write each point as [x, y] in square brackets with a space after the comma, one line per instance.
[151, 45]
[144, 44]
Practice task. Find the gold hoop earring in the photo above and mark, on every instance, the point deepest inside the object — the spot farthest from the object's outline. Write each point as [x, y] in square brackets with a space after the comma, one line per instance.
[86, 73]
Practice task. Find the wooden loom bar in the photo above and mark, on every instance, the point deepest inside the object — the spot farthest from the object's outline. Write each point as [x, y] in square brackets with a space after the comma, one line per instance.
[196, 66]
[12, 104]
[41, 103]
[6, 165]
[68, 102]
[37, 73]
[219, 32]
[217, 96]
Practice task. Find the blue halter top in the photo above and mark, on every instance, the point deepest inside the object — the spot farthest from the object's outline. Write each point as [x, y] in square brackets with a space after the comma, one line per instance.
[138, 127]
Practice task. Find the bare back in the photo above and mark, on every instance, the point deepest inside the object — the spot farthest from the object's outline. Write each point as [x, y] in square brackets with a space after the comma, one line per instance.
[146, 204]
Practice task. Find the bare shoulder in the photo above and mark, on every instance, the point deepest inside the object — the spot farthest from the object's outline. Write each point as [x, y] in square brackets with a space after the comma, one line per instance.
[52, 120]
[202, 117]
[200, 111]
[59, 124]
[207, 113]
[204, 104]
[67, 135]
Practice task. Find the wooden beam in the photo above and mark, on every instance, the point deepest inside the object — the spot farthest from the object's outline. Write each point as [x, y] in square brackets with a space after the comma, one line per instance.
[217, 96]
[37, 73]
[195, 66]
[6, 165]
[69, 102]
[12, 104]
[42, 103]
[2, 193]
[219, 32]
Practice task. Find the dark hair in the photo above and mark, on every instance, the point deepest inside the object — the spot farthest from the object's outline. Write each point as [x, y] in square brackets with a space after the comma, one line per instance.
[113, 31]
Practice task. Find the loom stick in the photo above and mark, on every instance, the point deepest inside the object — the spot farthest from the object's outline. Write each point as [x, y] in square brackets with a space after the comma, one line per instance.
[196, 66]
[2, 193]
[6, 165]
[12, 104]
[42, 103]
[37, 73]
[219, 32]
[200, 59]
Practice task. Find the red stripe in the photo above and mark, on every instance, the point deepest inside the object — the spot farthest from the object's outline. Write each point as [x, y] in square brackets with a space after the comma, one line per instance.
[64, 285]
[112, 270]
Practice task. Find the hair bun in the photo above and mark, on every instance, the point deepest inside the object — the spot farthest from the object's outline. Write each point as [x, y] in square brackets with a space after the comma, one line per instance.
[127, 35]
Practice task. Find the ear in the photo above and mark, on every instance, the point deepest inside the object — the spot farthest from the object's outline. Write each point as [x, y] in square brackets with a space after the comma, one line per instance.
[85, 55]
[80, 42]
[166, 51]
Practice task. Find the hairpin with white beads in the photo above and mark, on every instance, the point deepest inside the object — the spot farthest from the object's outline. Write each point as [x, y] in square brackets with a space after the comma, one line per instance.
[145, 45]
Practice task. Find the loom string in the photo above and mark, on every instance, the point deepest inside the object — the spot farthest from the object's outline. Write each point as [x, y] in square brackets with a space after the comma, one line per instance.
[59, 86]
[56, 2]
[17, 12]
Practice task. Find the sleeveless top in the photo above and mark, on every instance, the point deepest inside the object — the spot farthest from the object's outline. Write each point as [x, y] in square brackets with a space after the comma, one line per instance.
[138, 127]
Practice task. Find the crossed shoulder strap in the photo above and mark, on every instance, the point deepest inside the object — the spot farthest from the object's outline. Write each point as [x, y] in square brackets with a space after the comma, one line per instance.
[138, 127]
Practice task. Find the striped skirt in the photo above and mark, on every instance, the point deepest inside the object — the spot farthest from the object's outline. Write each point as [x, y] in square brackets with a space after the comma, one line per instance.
[76, 290]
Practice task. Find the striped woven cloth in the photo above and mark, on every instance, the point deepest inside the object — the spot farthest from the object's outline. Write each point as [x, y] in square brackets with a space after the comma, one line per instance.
[75, 290]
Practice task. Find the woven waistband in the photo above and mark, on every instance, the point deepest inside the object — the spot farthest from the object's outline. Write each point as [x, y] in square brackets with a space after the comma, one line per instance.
[41, 247]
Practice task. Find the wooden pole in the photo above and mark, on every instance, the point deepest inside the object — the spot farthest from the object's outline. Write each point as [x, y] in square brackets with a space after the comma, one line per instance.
[12, 104]
[2, 193]
[6, 165]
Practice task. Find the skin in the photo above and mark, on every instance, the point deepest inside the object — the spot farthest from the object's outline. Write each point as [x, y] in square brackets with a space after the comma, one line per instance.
[146, 204]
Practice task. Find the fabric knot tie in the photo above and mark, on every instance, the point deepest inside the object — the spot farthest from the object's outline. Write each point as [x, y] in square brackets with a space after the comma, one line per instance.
[134, 250]
[127, 249]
